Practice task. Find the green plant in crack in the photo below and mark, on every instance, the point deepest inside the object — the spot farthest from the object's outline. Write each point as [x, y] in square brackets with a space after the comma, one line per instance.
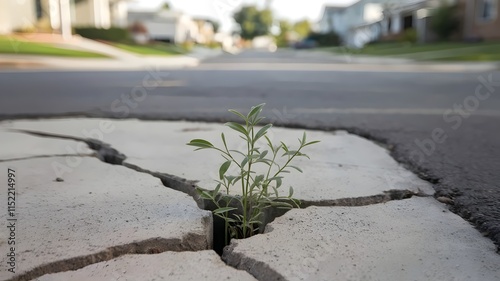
[258, 175]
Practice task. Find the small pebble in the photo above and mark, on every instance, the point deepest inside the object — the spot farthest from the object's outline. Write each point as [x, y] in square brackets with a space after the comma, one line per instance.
[445, 200]
[59, 180]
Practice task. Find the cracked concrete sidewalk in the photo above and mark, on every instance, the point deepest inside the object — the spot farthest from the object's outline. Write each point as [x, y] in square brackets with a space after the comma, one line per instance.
[364, 216]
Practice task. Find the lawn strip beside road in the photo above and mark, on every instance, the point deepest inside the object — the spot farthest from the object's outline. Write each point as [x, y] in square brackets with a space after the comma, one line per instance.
[10, 45]
[157, 49]
[487, 51]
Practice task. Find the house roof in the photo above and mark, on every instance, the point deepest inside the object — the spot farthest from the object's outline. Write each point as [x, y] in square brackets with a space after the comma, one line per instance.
[334, 8]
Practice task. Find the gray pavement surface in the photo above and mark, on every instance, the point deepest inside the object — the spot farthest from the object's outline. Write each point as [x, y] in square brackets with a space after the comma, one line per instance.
[65, 221]
[172, 266]
[417, 239]
[352, 166]
[400, 109]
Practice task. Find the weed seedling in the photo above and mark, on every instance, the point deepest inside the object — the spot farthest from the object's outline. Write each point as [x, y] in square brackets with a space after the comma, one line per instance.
[260, 188]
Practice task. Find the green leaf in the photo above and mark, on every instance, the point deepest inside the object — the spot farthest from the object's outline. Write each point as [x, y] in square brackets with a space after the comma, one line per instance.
[263, 154]
[285, 148]
[290, 192]
[282, 205]
[217, 188]
[237, 127]
[291, 152]
[237, 113]
[262, 132]
[204, 194]
[223, 169]
[224, 140]
[258, 179]
[256, 150]
[224, 210]
[244, 162]
[239, 152]
[275, 191]
[229, 219]
[296, 168]
[278, 182]
[309, 143]
[265, 161]
[255, 110]
[200, 143]
[259, 119]
[229, 179]
[303, 138]
[269, 143]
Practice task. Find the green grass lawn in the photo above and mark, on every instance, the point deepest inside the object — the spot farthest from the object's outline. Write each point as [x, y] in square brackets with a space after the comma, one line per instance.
[452, 51]
[10, 45]
[156, 49]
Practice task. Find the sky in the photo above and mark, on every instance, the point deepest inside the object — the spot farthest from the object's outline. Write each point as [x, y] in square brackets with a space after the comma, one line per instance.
[222, 10]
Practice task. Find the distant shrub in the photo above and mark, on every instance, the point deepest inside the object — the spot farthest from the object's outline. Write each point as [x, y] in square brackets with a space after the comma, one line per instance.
[213, 45]
[409, 36]
[445, 21]
[187, 45]
[25, 29]
[113, 34]
[325, 39]
[138, 27]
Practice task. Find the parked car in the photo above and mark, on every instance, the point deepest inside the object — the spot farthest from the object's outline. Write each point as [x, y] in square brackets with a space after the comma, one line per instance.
[305, 44]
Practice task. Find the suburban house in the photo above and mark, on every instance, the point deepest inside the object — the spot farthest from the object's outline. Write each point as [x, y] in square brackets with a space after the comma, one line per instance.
[411, 14]
[99, 13]
[331, 19]
[481, 19]
[49, 15]
[356, 24]
[206, 31]
[369, 20]
[173, 26]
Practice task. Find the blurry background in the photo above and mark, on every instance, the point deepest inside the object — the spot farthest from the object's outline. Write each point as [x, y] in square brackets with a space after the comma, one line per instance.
[416, 29]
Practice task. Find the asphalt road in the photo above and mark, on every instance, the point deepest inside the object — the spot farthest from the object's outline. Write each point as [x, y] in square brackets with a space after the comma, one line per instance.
[444, 126]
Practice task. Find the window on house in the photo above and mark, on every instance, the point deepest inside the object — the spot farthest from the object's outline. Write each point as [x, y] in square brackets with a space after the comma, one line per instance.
[39, 9]
[487, 10]
[408, 22]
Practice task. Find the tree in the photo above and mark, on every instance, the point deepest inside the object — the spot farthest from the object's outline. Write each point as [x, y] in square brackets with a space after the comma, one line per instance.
[302, 28]
[445, 21]
[166, 6]
[282, 38]
[253, 22]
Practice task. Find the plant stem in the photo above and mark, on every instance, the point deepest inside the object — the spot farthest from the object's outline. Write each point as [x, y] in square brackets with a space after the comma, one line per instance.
[288, 162]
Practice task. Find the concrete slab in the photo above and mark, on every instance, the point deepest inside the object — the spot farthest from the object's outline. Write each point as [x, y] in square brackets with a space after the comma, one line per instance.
[97, 213]
[341, 166]
[18, 146]
[174, 266]
[414, 239]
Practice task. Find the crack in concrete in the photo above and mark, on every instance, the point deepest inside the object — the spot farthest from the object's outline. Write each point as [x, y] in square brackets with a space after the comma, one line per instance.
[260, 270]
[47, 156]
[104, 151]
[386, 196]
[149, 246]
